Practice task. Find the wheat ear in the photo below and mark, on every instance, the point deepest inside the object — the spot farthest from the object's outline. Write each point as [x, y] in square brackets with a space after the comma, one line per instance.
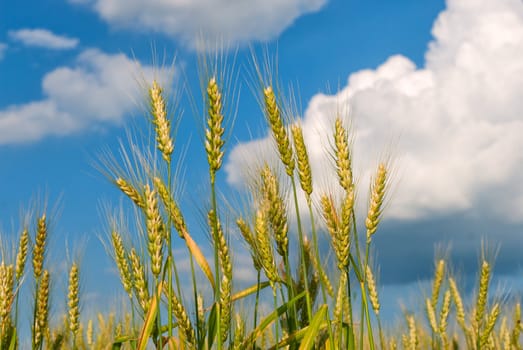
[154, 230]
[248, 236]
[130, 192]
[377, 196]
[39, 247]
[489, 325]
[373, 290]
[74, 299]
[481, 302]
[184, 323]
[160, 121]
[140, 281]
[438, 280]
[444, 315]
[277, 211]
[214, 133]
[122, 263]
[265, 248]
[21, 255]
[343, 155]
[458, 302]
[304, 167]
[42, 308]
[6, 293]
[279, 132]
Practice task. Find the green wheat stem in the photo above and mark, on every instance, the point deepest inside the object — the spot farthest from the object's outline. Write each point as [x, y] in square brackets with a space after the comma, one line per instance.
[169, 260]
[290, 294]
[317, 252]
[217, 293]
[256, 302]
[302, 250]
[351, 341]
[195, 292]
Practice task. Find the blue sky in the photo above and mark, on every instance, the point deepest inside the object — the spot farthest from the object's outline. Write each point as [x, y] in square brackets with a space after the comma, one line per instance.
[437, 84]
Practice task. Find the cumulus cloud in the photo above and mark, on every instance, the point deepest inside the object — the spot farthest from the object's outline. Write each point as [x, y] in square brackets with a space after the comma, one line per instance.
[3, 48]
[43, 38]
[235, 21]
[458, 120]
[96, 90]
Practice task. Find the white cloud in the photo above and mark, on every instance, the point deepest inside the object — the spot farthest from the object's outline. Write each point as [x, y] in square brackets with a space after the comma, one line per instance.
[235, 21]
[3, 48]
[458, 120]
[96, 90]
[43, 38]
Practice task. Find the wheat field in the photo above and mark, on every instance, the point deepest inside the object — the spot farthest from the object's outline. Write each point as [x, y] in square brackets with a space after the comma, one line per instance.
[314, 304]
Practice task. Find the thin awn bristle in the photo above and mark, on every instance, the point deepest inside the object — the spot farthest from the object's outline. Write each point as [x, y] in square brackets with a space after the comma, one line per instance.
[160, 121]
[304, 167]
[278, 130]
[214, 132]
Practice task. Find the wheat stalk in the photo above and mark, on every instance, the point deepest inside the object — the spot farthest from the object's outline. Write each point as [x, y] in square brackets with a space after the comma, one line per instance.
[226, 282]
